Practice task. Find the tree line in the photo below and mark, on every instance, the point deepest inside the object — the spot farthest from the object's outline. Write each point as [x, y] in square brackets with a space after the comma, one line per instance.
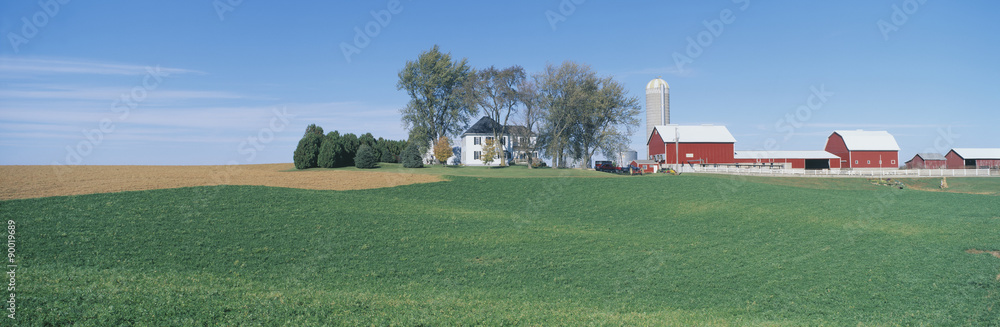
[333, 150]
[571, 110]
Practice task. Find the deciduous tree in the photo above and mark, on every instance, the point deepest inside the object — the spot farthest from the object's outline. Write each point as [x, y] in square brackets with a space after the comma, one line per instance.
[437, 105]
[442, 150]
[490, 152]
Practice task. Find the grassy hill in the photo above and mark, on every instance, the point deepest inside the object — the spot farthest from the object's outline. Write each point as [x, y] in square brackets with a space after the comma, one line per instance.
[651, 250]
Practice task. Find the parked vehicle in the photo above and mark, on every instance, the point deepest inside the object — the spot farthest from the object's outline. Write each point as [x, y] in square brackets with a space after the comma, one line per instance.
[605, 166]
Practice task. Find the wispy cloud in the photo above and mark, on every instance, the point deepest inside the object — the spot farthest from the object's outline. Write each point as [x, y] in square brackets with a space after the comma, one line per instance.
[38, 66]
[67, 92]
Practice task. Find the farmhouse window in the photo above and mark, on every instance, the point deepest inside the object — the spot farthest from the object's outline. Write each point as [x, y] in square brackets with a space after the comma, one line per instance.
[855, 162]
[477, 140]
[476, 154]
[892, 162]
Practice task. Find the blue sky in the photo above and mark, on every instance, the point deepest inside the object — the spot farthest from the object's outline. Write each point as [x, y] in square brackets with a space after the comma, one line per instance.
[216, 82]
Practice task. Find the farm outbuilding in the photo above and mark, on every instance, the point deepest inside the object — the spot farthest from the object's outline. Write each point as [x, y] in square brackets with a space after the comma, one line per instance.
[647, 166]
[694, 144]
[864, 149]
[793, 159]
[926, 161]
[968, 158]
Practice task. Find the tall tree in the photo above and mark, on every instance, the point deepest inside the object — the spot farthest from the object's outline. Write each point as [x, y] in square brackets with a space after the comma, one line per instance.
[562, 91]
[583, 112]
[495, 91]
[438, 105]
[313, 129]
[530, 116]
[607, 122]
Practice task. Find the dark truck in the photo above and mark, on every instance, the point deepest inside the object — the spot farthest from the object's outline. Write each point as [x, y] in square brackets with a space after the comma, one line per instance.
[606, 166]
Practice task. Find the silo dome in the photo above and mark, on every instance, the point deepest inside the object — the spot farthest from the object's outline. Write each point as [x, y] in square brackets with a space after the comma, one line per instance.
[656, 83]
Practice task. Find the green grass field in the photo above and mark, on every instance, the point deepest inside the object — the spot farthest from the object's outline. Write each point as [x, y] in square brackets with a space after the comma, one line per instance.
[650, 250]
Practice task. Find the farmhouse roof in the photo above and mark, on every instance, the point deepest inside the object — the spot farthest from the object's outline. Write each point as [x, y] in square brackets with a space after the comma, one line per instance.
[486, 125]
[860, 140]
[741, 154]
[978, 153]
[693, 134]
[931, 156]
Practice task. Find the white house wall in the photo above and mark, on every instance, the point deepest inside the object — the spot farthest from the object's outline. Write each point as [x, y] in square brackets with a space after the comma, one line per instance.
[469, 149]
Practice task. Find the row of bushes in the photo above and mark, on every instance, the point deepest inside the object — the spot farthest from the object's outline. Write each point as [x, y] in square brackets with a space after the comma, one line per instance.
[334, 150]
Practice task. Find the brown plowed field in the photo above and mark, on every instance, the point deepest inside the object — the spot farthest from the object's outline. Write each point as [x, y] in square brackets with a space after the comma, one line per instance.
[22, 182]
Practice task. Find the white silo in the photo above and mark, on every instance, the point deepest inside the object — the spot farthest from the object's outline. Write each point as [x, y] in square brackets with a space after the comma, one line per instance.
[657, 104]
[627, 156]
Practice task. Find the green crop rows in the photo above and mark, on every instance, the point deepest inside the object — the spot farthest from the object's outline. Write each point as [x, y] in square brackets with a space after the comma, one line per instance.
[651, 250]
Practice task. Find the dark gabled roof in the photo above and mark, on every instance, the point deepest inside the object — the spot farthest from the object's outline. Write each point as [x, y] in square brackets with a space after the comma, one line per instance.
[486, 125]
[518, 130]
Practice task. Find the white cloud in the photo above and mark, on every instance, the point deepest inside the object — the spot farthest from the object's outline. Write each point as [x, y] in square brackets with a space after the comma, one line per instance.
[38, 66]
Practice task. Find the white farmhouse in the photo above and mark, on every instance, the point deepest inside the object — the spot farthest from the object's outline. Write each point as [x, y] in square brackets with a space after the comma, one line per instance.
[514, 139]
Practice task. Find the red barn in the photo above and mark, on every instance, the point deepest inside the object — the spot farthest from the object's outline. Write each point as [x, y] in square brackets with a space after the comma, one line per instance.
[864, 149]
[694, 144]
[797, 159]
[926, 161]
[973, 158]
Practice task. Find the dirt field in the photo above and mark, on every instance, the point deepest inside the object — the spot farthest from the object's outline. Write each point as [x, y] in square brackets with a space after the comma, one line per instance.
[22, 182]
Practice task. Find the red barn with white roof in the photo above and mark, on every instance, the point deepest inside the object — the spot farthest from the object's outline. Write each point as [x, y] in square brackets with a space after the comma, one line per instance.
[973, 158]
[694, 144]
[864, 149]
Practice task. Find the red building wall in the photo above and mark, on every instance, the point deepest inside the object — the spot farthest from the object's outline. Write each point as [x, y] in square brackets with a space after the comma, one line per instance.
[865, 159]
[835, 145]
[869, 159]
[919, 163]
[954, 161]
[708, 153]
[988, 163]
[796, 163]
[934, 164]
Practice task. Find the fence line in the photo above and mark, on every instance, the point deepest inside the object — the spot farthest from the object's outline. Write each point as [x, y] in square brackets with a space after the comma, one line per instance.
[760, 171]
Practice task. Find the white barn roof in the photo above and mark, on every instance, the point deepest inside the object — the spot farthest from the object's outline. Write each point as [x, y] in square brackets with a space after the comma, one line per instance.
[860, 140]
[978, 153]
[741, 154]
[693, 134]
